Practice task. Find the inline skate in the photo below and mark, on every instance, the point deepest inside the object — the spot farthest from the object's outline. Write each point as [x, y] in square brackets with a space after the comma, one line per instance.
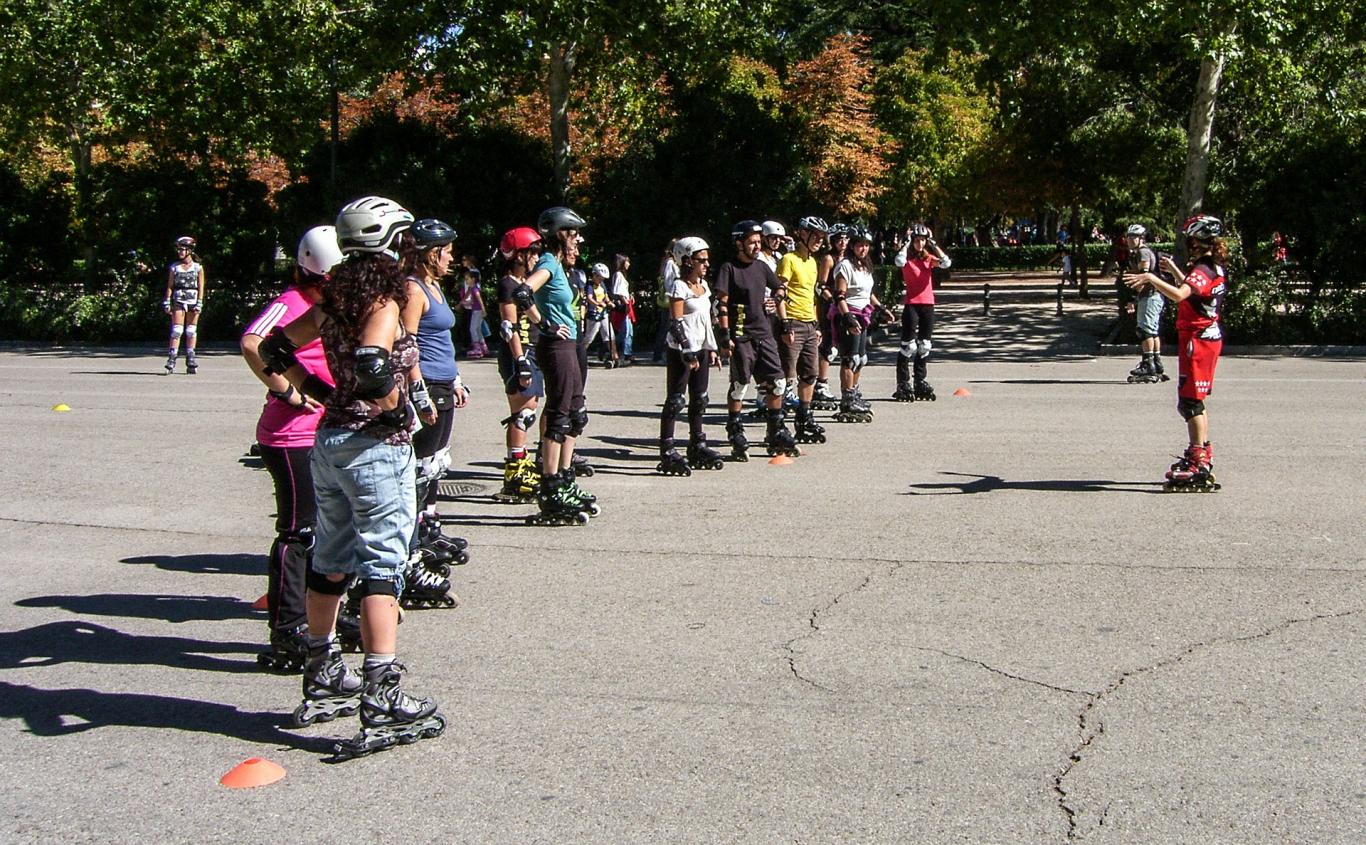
[389, 716]
[1146, 373]
[579, 464]
[446, 550]
[904, 392]
[822, 399]
[924, 392]
[807, 430]
[423, 588]
[1193, 472]
[170, 365]
[288, 651]
[702, 456]
[191, 365]
[521, 477]
[670, 462]
[558, 505]
[780, 440]
[331, 689]
[853, 409]
[739, 446]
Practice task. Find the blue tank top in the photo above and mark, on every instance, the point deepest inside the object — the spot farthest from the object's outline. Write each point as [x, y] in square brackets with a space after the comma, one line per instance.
[434, 343]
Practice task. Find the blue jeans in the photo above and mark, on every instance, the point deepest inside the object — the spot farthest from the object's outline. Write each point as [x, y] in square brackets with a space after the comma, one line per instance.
[626, 338]
[367, 505]
[1148, 313]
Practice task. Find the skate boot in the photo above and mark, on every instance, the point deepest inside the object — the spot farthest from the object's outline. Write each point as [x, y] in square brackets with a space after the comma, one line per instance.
[702, 456]
[1144, 373]
[790, 400]
[288, 651]
[780, 441]
[423, 588]
[1193, 472]
[557, 504]
[853, 410]
[449, 550]
[923, 391]
[579, 464]
[331, 689]
[170, 364]
[587, 502]
[822, 399]
[739, 446]
[521, 477]
[670, 462]
[807, 430]
[904, 392]
[1157, 368]
[389, 716]
[191, 365]
[861, 402]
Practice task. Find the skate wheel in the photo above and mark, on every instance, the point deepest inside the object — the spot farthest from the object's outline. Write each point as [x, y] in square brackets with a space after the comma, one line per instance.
[593, 509]
[448, 601]
[585, 471]
[531, 520]
[462, 558]
[581, 518]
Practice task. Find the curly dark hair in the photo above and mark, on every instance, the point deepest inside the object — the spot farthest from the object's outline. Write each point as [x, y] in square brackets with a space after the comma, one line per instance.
[358, 284]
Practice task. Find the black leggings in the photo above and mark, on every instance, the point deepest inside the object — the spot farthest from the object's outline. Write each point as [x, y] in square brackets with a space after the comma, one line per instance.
[431, 439]
[684, 381]
[917, 324]
[295, 512]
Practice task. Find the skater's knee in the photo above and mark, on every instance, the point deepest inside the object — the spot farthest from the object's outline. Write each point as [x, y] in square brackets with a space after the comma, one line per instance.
[325, 584]
[698, 403]
[1190, 408]
[578, 421]
[674, 404]
[908, 348]
[738, 390]
[379, 587]
[177, 330]
[556, 426]
[922, 348]
[776, 387]
[522, 420]
[191, 329]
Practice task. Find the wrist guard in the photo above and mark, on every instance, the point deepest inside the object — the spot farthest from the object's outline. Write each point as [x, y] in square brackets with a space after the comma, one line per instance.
[420, 397]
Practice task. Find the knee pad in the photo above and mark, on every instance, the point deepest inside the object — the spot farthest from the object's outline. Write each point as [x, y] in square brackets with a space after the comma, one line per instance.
[738, 391]
[177, 330]
[578, 421]
[922, 348]
[908, 348]
[1189, 408]
[807, 380]
[378, 587]
[1143, 335]
[190, 331]
[854, 363]
[698, 404]
[777, 387]
[523, 420]
[556, 426]
[320, 583]
[673, 404]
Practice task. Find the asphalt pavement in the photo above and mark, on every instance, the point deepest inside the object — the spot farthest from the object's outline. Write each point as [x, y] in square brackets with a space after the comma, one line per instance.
[977, 620]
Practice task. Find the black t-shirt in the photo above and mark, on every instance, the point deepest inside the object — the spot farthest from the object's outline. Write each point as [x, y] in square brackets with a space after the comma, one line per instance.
[747, 286]
[1142, 260]
[528, 332]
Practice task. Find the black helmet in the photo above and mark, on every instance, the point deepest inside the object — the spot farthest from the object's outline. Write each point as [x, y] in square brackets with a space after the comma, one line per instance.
[1203, 227]
[552, 220]
[745, 228]
[860, 233]
[838, 230]
[813, 224]
[429, 233]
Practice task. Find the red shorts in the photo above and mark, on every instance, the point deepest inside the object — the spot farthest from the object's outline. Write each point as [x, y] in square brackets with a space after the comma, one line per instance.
[1196, 360]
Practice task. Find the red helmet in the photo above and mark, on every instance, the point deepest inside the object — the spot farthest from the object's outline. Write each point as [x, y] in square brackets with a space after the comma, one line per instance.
[523, 237]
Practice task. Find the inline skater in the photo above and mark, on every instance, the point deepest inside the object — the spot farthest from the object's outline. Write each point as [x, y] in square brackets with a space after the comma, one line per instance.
[285, 434]
[519, 248]
[561, 500]
[691, 353]
[852, 316]
[1199, 298]
[771, 246]
[837, 239]
[184, 300]
[801, 356]
[742, 286]
[436, 393]
[917, 260]
[363, 477]
[1147, 308]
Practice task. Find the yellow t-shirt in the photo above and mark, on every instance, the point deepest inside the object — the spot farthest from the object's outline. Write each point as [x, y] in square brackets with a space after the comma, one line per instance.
[800, 276]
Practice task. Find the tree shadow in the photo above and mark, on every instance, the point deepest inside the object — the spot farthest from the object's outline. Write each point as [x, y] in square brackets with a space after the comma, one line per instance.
[993, 483]
[158, 374]
[218, 564]
[170, 608]
[1046, 381]
[84, 642]
[627, 412]
[62, 712]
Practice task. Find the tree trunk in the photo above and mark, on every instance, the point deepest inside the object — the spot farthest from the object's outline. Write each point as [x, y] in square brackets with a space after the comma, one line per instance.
[81, 164]
[1078, 242]
[562, 61]
[1198, 135]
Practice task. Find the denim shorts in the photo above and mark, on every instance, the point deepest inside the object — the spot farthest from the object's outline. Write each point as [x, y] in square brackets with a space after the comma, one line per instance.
[1148, 313]
[367, 505]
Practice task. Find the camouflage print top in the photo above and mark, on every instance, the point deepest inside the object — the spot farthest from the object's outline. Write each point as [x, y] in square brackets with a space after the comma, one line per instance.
[344, 409]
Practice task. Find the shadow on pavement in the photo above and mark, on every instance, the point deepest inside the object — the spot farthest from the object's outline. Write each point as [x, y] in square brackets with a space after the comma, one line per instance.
[84, 642]
[221, 564]
[61, 712]
[992, 483]
[1046, 381]
[166, 607]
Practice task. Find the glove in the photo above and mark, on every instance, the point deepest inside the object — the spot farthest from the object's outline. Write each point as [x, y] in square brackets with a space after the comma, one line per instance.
[689, 357]
[522, 368]
[851, 321]
[401, 417]
[196, 305]
[789, 326]
[421, 399]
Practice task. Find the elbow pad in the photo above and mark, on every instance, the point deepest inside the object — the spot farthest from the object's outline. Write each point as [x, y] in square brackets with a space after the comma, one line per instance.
[521, 295]
[277, 352]
[678, 333]
[374, 375]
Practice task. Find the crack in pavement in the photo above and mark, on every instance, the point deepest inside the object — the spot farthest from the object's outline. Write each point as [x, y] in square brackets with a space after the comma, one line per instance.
[1092, 729]
[814, 628]
[1003, 673]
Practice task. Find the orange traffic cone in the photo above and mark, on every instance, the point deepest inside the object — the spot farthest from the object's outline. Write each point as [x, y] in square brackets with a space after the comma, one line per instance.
[254, 772]
[262, 603]
[962, 391]
[780, 460]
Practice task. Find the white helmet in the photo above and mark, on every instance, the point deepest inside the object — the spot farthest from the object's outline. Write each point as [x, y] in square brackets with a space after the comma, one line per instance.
[1137, 230]
[370, 224]
[773, 227]
[318, 250]
[600, 269]
[688, 247]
